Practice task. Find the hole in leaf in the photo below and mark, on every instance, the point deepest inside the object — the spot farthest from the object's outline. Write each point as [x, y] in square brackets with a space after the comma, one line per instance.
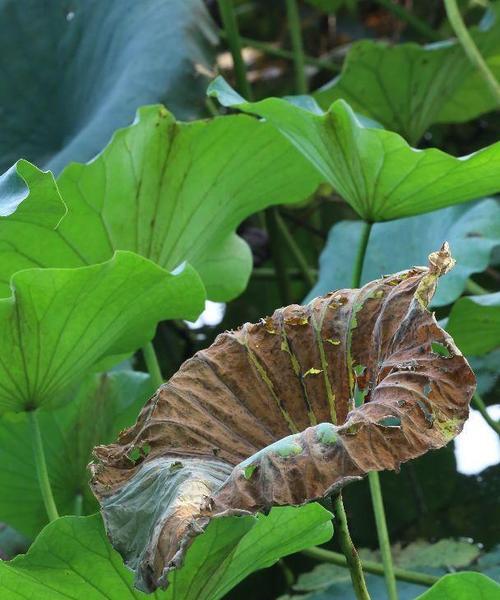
[390, 421]
[441, 349]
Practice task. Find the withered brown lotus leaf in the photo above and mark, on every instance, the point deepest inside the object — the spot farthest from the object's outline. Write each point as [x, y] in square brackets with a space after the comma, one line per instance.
[284, 412]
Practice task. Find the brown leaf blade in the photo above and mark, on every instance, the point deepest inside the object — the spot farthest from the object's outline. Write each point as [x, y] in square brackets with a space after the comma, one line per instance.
[284, 412]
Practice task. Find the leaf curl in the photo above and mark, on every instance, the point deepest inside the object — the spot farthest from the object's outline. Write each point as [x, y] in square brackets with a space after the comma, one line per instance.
[275, 414]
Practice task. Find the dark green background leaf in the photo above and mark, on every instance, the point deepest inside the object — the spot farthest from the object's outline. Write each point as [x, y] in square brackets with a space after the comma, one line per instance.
[73, 71]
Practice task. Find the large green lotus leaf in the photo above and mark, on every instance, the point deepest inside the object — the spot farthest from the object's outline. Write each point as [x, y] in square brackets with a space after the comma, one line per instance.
[472, 231]
[474, 323]
[72, 558]
[59, 323]
[83, 68]
[104, 405]
[374, 170]
[408, 87]
[463, 586]
[169, 191]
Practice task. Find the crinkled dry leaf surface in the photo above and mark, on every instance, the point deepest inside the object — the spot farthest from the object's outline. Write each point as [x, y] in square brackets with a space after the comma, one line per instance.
[284, 412]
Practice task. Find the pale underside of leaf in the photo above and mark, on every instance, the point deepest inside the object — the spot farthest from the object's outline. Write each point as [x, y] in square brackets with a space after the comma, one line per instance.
[284, 412]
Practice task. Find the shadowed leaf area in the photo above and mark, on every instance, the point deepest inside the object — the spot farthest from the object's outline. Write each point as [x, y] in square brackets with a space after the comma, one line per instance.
[284, 412]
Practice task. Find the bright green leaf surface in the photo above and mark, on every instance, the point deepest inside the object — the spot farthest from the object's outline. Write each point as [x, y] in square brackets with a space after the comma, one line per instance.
[60, 323]
[472, 231]
[72, 557]
[73, 71]
[463, 586]
[104, 404]
[169, 191]
[474, 323]
[408, 87]
[375, 170]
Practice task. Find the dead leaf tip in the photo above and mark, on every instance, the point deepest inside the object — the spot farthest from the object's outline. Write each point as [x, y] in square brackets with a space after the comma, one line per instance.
[441, 262]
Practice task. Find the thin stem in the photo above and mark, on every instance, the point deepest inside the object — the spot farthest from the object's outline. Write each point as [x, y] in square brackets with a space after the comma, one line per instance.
[474, 288]
[292, 11]
[41, 467]
[277, 256]
[373, 477]
[481, 407]
[230, 23]
[320, 63]
[267, 274]
[350, 552]
[371, 566]
[470, 48]
[295, 251]
[383, 534]
[360, 255]
[151, 360]
[78, 506]
[418, 25]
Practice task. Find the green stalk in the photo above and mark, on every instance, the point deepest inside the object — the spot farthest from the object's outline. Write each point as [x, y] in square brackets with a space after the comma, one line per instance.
[293, 17]
[78, 506]
[41, 467]
[267, 274]
[295, 251]
[230, 23]
[481, 407]
[151, 360]
[371, 566]
[360, 255]
[383, 534]
[373, 477]
[418, 25]
[271, 217]
[351, 554]
[320, 63]
[474, 288]
[470, 48]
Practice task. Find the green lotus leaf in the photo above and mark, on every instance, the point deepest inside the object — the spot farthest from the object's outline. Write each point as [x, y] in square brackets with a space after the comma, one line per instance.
[60, 323]
[374, 170]
[76, 70]
[72, 557]
[170, 191]
[463, 586]
[103, 405]
[474, 323]
[407, 87]
[472, 231]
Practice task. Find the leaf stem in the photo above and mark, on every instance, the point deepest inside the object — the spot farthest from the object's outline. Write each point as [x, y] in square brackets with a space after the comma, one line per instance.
[78, 506]
[277, 256]
[41, 466]
[373, 477]
[360, 255]
[320, 63]
[351, 555]
[151, 360]
[292, 11]
[418, 25]
[371, 566]
[295, 251]
[265, 273]
[230, 23]
[481, 407]
[470, 48]
[383, 534]
[474, 288]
